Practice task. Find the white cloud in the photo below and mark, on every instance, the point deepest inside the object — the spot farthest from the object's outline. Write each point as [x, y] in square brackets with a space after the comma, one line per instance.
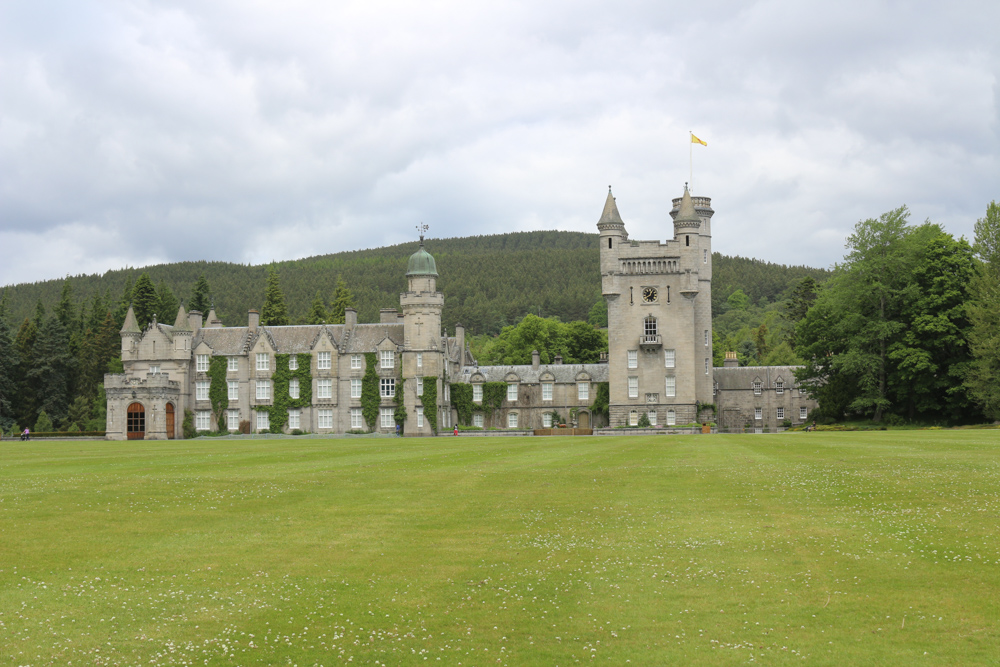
[143, 132]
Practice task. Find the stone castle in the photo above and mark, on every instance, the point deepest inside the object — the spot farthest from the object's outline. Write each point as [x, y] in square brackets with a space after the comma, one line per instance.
[659, 359]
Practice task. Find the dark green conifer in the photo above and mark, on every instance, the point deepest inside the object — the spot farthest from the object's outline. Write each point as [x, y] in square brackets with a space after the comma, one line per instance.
[275, 312]
[200, 296]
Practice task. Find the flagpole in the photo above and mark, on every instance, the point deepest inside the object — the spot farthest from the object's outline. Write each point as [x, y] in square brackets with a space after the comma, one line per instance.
[691, 160]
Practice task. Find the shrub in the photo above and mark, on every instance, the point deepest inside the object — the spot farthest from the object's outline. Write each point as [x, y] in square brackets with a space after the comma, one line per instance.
[43, 423]
[187, 426]
[643, 421]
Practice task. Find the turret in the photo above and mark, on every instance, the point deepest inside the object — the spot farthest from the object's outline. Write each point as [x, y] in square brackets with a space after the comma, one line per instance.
[613, 233]
[131, 335]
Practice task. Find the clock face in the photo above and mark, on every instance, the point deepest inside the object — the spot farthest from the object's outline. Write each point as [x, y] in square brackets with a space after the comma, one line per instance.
[649, 294]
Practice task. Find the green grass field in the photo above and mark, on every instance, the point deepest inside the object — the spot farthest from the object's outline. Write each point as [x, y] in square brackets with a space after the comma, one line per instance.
[814, 548]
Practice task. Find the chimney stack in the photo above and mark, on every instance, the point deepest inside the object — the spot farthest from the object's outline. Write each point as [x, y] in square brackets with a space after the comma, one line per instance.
[558, 360]
[536, 359]
[254, 320]
[387, 316]
[350, 317]
[194, 321]
[731, 360]
[460, 340]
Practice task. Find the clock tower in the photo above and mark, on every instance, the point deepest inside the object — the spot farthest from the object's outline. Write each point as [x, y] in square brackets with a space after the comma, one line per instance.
[659, 296]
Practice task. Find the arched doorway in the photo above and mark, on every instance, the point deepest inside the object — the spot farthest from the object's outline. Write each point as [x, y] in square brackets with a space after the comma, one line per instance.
[583, 419]
[170, 421]
[136, 422]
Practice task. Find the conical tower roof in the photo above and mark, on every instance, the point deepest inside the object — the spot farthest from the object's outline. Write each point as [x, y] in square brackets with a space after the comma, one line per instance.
[181, 323]
[131, 325]
[686, 215]
[610, 213]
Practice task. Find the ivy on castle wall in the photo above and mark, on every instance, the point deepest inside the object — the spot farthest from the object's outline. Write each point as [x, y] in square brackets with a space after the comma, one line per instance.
[494, 394]
[602, 399]
[461, 400]
[370, 399]
[430, 402]
[218, 390]
[399, 414]
[280, 379]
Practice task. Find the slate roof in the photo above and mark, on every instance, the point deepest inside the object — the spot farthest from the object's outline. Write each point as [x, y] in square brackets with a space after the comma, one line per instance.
[223, 340]
[528, 375]
[742, 377]
[365, 337]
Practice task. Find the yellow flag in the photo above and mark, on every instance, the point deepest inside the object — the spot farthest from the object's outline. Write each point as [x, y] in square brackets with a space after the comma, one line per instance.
[696, 140]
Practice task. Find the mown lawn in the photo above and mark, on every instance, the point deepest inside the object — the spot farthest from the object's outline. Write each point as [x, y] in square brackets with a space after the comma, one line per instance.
[813, 548]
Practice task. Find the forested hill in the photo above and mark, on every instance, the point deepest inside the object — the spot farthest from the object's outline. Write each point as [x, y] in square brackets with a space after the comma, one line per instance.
[488, 281]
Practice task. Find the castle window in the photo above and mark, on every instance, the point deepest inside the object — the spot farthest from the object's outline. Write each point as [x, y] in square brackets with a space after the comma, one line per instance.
[512, 392]
[706, 337]
[233, 420]
[263, 390]
[356, 388]
[154, 369]
[293, 363]
[203, 420]
[546, 391]
[511, 420]
[387, 387]
[386, 417]
[708, 365]
[583, 391]
[609, 243]
[201, 363]
[633, 358]
[293, 388]
[201, 390]
[779, 387]
[477, 393]
[633, 387]
[670, 388]
[669, 358]
[477, 419]
[633, 418]
[704, 256]
[649, 326]
[233, 364]
[295, 419]
[420, 360]
[357, 418]
[323, 362]
[355, 361]
[420, 419]
[547, 420]
[324, 388]
[651, 415]
[324, 418]
[263, 421]
[781, 413]
[388, 358]
[687, 240]
[420, 386]
[756, 387]
[803, 413]
[234, 390]
[758, 413]
[263, 361]
[671, 418]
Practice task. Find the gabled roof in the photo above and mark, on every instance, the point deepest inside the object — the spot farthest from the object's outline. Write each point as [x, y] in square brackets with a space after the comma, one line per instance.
[366, 337]
[227, 341]
[742, 377]
[561, 373]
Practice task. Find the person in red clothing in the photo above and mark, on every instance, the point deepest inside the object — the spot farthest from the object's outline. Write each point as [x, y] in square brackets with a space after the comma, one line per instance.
[456, 430]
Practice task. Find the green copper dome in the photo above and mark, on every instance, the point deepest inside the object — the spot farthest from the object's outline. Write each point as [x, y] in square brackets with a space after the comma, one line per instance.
[421, 263]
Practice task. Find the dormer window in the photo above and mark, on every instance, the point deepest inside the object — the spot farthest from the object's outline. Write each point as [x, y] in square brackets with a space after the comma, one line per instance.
[757, 387]
[779, 387]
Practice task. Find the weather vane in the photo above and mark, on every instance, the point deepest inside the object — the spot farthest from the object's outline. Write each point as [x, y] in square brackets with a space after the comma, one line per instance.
[421, 229]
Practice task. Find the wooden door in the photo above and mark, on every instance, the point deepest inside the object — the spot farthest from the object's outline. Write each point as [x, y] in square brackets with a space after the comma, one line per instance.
[136, 422]
[583, 419]
[170, 421]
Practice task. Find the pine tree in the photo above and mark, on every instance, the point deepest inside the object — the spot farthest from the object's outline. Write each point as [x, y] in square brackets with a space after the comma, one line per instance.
[52, 369]
[275, 312]
[342, 299]
[199, 296]
[984, 316]
[8, 368]
[144, 300]
[25, 404]
[65, 310]
[121, 310]
[317, 312]
[167, 303]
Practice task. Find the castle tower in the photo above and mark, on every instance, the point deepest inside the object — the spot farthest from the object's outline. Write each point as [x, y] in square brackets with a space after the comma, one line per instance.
[659, 315]
[422, 356]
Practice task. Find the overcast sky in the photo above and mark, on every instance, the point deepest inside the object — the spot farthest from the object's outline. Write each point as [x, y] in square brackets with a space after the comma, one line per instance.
[134, 133]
